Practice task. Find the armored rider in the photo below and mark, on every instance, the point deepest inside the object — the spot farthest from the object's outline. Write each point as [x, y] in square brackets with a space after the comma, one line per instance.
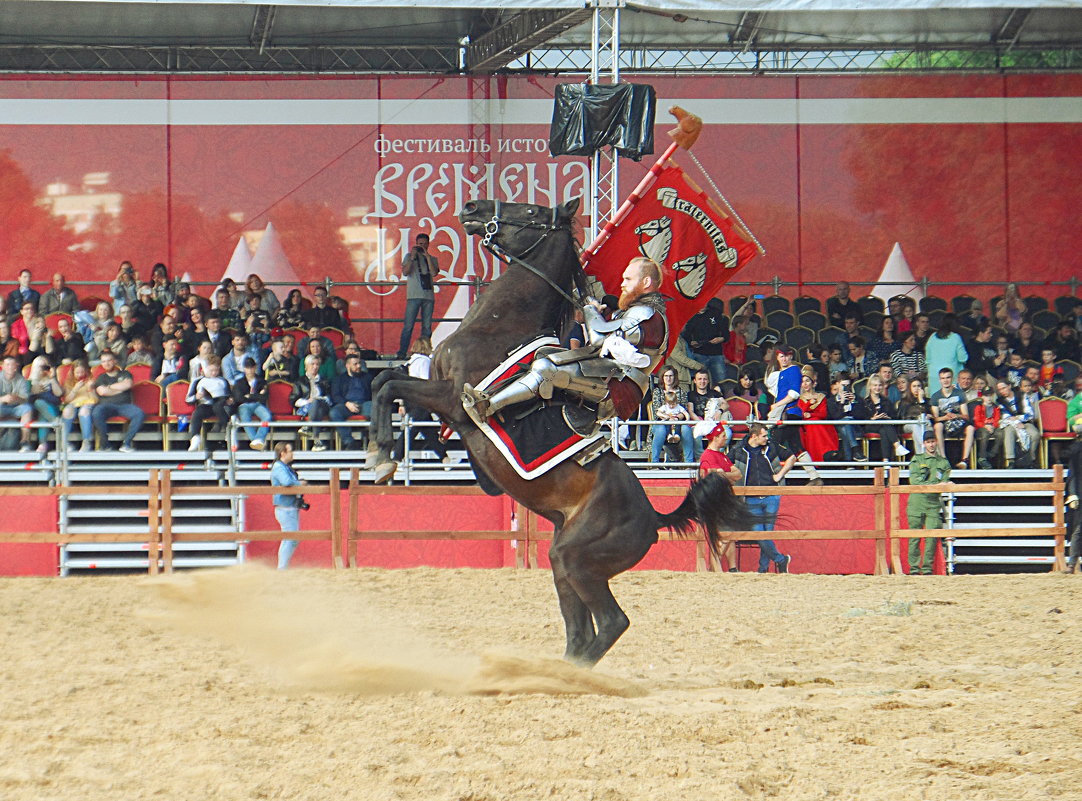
[611, 373]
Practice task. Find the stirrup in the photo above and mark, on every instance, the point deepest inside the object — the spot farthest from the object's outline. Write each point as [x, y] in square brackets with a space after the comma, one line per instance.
[475, 403]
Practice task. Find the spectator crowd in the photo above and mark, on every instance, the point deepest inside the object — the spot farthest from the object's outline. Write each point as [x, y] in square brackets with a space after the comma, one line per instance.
[87, 361]
[976, 382]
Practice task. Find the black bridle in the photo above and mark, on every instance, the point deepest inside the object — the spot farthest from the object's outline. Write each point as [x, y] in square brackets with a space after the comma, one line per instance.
[492, 227]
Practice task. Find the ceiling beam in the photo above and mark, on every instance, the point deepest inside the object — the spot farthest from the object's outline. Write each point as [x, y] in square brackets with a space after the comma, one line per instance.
[747, 30]
[1011, 29]
[518, 35]
[262, 26]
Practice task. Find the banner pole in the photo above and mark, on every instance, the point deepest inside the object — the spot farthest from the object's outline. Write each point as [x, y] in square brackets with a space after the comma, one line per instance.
[647, 181]
[687, 130]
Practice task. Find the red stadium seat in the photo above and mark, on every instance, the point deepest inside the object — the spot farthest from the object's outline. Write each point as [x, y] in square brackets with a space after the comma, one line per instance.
[1052, 418]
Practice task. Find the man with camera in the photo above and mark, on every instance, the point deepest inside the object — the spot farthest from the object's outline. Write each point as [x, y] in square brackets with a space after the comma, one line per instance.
[419, 269]
[287, 508]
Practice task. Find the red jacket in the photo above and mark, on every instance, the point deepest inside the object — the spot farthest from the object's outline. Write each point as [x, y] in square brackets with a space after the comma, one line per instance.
[980, 416]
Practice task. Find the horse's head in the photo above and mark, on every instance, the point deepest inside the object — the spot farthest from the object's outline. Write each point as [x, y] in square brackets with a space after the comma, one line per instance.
[516, 228]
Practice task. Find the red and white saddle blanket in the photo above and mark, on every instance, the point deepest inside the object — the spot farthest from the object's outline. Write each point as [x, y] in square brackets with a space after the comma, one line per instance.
[542, 439]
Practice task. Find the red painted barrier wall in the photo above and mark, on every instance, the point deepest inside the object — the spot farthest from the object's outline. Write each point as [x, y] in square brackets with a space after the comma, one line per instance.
[479, 512]
[29, 514]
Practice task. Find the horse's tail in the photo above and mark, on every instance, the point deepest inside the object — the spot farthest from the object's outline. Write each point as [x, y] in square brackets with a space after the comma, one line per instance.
[712, 503]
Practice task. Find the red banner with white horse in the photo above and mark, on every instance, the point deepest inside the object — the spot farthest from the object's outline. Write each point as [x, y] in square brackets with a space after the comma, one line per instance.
[681, 228]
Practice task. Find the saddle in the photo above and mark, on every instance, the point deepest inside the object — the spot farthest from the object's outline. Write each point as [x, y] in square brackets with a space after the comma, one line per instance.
[537, 436]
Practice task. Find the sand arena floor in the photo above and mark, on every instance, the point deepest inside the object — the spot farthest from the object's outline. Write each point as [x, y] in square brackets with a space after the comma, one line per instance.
[438, 685]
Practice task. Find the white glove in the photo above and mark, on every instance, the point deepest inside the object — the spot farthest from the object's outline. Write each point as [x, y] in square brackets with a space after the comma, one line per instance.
[623, 352]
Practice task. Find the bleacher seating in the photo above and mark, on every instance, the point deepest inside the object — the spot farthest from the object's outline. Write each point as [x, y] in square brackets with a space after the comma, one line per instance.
[1065, 304]
[1035, 303]
[798, 337]
[176, 407]
[52, 319]
[813, 320]
[1052, 415]
[773, 303]
[805, 303]
[90, 303]
[870, 303]
[780, 320]
[960, 304]
[1045, 319]
[932, 303]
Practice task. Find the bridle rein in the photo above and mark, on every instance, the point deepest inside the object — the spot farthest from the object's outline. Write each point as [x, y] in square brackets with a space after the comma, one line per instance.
[492, 227]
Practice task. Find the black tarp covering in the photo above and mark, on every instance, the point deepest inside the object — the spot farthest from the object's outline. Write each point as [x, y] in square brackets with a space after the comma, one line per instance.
[588, 117]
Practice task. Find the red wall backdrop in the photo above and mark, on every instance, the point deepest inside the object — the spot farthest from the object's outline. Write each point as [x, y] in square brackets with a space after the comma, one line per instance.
[473, 513]
[977, 177]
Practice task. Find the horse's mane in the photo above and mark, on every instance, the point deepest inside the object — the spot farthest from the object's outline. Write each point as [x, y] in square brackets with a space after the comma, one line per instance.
[579, 283]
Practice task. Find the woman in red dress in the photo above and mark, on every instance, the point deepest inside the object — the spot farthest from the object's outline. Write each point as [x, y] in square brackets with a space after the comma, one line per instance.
[818, 439]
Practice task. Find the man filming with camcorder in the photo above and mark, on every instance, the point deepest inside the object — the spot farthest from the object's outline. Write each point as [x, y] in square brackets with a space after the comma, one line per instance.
[287, 508]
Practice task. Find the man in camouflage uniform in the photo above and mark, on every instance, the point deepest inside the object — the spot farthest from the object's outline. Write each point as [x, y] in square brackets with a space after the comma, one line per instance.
[926, 510]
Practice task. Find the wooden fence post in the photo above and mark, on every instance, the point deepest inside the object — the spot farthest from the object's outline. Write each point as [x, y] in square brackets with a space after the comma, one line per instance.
[892, 511]
[167, 520]
[1059, 564]
[350, 544]
[883, 544]
[531, 538]
[153, 531]
[517, 524]
[335, 490]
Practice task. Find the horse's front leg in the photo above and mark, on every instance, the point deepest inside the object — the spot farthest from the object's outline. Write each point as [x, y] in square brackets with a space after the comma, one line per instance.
[397, 386]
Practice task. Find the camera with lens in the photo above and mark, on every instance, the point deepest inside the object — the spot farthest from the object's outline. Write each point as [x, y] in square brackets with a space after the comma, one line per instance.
[302, 504]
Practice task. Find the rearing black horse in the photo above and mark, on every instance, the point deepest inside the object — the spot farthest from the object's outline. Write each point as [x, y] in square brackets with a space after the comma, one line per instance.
[604, 523]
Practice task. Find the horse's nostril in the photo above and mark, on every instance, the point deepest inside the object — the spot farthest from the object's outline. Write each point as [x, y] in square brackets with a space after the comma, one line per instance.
[470, 207]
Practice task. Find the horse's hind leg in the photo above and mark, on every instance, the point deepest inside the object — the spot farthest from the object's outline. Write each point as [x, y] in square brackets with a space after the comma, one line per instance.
[578, 622]
[611, 621]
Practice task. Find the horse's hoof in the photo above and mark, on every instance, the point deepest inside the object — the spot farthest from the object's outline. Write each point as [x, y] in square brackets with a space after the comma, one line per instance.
[370, 459]
[385, 472]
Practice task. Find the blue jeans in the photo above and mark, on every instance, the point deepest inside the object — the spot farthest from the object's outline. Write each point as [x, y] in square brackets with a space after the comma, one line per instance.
[413, 307]
[84, 414]
[340, 413]
[46, 413]
[847, 436]
[686, 441]
[289, 519]
[245, 414]
[715, 363]
[766, 509]
[104, 410]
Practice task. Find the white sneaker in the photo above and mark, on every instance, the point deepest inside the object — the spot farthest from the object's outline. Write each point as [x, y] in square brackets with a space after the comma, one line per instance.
[127, 449]
[43, 448]
[85, 447]
[258, 445]
[25, 448]
[319, 446]
[900, 449]
[195, 443]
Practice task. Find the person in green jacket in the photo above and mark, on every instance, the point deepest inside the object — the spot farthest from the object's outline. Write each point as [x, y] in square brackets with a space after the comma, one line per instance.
[1074, 408]
[926, 510]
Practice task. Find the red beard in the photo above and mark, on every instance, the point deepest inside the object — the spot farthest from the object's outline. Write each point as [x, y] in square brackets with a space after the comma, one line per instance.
[627, 298]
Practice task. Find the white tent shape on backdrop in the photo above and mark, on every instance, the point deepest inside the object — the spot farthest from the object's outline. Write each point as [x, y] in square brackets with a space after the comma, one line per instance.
[460, 304]
[897, 278]
[271, 265]
[240, 263]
